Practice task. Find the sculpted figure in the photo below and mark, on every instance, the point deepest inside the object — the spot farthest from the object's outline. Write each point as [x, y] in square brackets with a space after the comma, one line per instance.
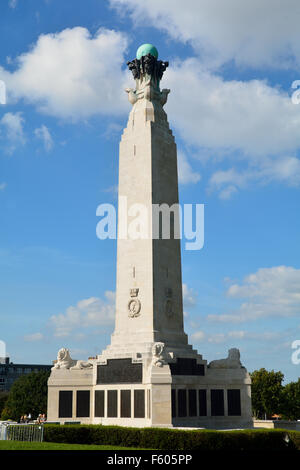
[82, 365]
[148, 64]
[131, 95]
[161, 68]
[164, 96]
[231, 362]
[134, 67]
[158, 359]
[64, 360]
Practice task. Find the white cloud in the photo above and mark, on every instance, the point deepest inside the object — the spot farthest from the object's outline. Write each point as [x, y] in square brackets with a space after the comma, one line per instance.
[198, 336]
[281, 169]
[250, 122]
[186, 174]
[34, 337]
[43, 134]
[113, 130]
[2, 186]
[13, 134]
[87, 313]
[256, 33]
[246, 124]
[270, 292]
[233, 336]
[72, 74]
[189, 296]
[12, 3]
[250, 117]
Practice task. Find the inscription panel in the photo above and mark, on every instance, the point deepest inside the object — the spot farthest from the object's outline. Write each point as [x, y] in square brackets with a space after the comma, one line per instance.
[139, 403]
[112, 403]
[83, 404]
[65, 404]
[173, 398]
[125, 403]
[182, 410]
[99, 403]
[120, 371]
[234, 402]
[217, 402]
[186, 366]
[192, 402]
[202, 403]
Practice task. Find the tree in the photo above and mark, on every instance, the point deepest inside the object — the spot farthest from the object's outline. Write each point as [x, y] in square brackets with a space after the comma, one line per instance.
[27, 395]
[3, 399]
[291, 395]
[267, 393]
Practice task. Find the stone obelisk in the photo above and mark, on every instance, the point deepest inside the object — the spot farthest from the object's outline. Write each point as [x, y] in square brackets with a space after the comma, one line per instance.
[149, 287]
[149, 375]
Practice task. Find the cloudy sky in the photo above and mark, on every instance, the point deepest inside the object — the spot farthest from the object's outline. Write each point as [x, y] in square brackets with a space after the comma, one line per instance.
[234, 109]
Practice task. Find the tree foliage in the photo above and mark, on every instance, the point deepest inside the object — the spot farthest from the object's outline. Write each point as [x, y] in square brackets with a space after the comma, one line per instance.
[27, 395]
[267, 393]
[3, 400]
[291, 404]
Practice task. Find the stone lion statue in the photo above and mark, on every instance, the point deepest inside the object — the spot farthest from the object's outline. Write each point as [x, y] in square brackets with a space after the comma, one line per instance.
[230, 362]
[64, 361]
[158, 354]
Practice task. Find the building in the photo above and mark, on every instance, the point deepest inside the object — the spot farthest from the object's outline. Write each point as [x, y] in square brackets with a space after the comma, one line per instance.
[149, 375]
[10, 372]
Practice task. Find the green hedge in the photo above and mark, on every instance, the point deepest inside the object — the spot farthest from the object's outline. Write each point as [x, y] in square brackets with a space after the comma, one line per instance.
[169, 439]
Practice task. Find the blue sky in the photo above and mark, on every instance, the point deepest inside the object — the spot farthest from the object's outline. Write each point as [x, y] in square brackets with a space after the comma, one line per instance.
[237, 130]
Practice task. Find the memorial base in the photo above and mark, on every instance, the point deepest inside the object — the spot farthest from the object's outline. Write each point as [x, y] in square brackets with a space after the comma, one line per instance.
[143, 390]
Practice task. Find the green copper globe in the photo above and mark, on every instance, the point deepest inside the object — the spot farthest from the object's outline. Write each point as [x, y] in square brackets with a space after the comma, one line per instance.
[145, 49]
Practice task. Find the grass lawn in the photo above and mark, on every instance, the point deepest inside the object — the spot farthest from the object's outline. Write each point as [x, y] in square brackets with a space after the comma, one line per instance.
[20, 445]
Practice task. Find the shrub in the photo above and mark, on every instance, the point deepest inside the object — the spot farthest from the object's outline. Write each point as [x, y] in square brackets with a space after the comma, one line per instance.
[169, 439]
